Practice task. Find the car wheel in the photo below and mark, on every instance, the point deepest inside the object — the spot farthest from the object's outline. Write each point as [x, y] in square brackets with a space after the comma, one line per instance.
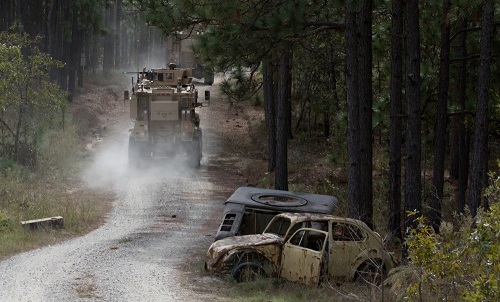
[248, 271]
[370, 272]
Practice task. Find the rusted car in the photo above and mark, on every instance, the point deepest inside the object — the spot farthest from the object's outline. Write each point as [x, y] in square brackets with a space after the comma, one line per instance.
[304, 248]
[248, 210]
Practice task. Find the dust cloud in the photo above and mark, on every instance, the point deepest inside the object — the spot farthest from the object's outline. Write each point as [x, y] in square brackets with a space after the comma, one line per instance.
[110, 167]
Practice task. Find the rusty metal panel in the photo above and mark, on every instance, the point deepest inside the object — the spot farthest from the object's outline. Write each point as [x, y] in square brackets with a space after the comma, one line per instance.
[301, 257]
[285, 201]
[221, 253]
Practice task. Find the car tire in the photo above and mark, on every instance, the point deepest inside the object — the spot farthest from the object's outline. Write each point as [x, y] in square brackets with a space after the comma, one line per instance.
[248, 271]
[370, 272]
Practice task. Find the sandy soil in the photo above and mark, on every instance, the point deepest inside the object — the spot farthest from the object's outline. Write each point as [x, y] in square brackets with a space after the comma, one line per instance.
[152, 245]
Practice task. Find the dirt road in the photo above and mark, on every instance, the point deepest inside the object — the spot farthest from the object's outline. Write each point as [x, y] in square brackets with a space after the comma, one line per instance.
[152, 245]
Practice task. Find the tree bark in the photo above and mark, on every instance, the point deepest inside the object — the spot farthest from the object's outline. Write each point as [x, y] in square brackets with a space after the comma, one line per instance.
[480, 148]
[62, 42]
[440, 132]
[282, 124]
[6, 14]
[73, 54]
[109, 49]
[365, 113]
[353, 121]
[413, 181]
[462, 136]
[118, 30]
[51, 32]
[270, 114]
[396, 140]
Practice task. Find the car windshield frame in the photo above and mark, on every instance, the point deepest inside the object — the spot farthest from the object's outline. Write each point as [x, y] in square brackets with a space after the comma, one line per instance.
[278, 226]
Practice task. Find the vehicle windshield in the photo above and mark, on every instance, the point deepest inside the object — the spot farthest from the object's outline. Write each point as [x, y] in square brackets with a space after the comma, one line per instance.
[278, 226]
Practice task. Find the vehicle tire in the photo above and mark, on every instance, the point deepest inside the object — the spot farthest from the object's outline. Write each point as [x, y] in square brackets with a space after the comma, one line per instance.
[248, 271]
[370, 272]
[197, 149]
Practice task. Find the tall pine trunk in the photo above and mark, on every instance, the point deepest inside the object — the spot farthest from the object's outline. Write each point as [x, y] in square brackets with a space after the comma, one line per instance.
[282, 123]
[480, 149]
[396, 139]
[462, 135]
[118, 31]
[413, 181]
[73, 54]
[270, 114]
[353, 124]
[6, 14]
[365, 113]
[440, 132]
[109, 41]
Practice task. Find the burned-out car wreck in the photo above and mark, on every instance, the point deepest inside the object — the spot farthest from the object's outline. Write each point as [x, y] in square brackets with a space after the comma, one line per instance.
[248, 210]
[304, 248]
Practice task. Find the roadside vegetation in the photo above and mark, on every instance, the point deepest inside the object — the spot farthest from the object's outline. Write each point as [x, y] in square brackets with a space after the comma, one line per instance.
[40, 152]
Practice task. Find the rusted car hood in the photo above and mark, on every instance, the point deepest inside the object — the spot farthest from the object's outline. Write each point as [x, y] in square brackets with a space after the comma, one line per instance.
[219, 248]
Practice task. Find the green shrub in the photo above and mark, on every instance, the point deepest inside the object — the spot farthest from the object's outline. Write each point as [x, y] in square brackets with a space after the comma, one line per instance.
[461, 263]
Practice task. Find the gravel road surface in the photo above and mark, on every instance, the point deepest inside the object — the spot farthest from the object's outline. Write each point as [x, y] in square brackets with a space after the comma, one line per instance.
[162, 222]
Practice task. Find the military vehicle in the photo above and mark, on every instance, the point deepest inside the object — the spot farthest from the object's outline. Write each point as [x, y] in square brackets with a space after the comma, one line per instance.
[180, 51]
[166, 125]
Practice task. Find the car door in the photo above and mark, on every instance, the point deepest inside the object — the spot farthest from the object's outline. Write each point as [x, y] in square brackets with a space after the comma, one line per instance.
[302, 256]
[347, 242]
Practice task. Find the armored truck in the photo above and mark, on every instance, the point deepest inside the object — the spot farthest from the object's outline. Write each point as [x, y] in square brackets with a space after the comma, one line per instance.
[165, 122]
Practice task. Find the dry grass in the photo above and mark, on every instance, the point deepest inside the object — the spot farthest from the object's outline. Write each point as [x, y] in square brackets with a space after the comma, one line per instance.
[20, 200]
[54, 189]
[276, 290]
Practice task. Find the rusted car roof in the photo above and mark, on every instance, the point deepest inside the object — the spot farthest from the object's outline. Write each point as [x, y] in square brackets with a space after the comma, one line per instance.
[298, 217]
[284, 200]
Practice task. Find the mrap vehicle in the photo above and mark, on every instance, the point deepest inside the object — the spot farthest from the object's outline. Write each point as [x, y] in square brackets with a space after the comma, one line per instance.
[165, 123]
